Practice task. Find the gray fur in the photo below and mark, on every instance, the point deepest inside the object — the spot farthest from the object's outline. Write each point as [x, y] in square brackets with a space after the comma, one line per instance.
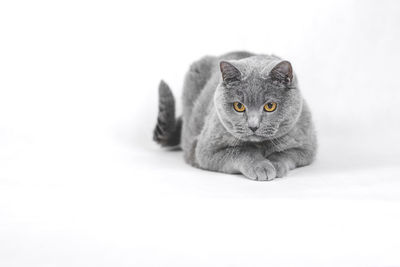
[216, 137]
[168, 129]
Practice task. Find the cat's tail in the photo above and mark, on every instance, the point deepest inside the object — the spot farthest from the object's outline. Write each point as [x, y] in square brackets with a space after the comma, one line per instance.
[168, 128]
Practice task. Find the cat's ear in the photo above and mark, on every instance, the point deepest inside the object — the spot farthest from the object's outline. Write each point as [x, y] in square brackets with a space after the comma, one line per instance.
[283, 72]
[229, 72]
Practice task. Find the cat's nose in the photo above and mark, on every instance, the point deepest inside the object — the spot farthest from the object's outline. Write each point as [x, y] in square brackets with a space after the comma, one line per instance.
[253, 128]
[253, 121]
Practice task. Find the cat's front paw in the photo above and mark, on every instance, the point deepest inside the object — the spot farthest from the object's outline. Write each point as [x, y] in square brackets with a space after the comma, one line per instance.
[281, 166]
[261, 170]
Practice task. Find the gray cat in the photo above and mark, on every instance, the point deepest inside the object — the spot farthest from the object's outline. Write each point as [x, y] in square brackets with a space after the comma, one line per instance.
[242, 113]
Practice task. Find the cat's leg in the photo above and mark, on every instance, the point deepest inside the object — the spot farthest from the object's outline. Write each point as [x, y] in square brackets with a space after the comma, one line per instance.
[292, 158]
[246, 160]
[296, 149]
[218, 150]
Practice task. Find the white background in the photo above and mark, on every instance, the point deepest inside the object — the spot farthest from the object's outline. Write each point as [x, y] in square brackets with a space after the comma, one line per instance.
[82, 183]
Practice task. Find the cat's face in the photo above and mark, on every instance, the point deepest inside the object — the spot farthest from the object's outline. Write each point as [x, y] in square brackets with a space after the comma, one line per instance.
[256, 103]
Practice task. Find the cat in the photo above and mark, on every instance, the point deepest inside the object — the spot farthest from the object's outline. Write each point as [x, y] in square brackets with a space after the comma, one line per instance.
[242, 113]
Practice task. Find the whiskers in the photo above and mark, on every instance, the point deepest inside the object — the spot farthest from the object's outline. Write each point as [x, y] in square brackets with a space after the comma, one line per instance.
[270, 131]
[240, 129]
[264, 134]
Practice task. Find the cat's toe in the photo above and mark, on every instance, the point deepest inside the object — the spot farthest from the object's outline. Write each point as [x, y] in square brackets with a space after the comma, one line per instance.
[261, 174]
[266, 173]
[260, 171]
[281, 167]
[249, 173]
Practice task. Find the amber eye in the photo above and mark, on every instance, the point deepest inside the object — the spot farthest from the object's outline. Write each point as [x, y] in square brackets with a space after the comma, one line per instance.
[269, 107]
[239, 107]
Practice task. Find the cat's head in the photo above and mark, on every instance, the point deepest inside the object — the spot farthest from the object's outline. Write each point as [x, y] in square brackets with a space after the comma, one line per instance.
[257, 98]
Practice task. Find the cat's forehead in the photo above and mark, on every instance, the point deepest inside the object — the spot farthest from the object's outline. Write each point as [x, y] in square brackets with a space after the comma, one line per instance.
[255, 85]
[257, 66]
[256, 90]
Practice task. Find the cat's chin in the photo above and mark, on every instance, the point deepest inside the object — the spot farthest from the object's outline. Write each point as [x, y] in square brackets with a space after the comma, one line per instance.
[255, 138]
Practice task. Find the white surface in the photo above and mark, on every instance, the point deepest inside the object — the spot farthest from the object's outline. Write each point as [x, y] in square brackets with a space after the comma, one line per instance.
[82, 184]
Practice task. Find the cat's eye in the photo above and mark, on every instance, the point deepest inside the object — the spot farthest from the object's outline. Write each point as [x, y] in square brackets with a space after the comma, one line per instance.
[239, 107]
[270, 106]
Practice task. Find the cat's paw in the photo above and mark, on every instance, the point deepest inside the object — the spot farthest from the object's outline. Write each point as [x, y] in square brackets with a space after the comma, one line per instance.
[281, 166]
[261, 171]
